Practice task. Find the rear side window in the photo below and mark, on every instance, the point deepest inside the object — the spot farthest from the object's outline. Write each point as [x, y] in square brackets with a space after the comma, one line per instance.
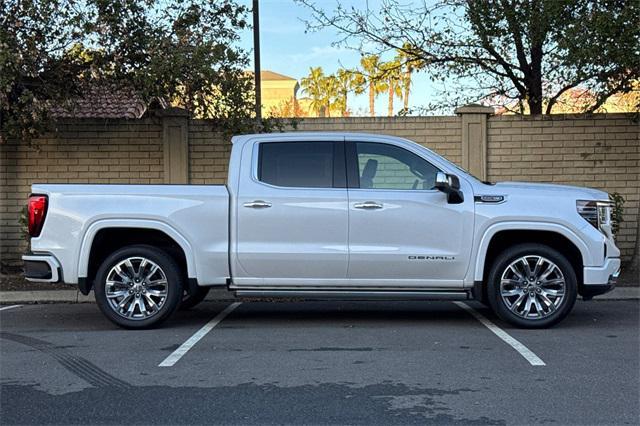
[300, 164]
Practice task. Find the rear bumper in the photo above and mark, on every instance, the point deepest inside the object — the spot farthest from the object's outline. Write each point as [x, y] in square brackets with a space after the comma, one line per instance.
[42, 268]
[600, 280]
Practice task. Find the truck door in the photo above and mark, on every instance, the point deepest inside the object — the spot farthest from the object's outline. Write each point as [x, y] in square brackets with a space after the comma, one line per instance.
[292, 214]
[402, 231]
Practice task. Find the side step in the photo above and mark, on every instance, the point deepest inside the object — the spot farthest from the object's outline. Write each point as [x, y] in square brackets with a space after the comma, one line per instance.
[354, 294]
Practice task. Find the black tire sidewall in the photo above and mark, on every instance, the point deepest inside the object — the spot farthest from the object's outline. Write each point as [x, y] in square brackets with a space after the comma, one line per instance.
[509, 255]
[166, 263]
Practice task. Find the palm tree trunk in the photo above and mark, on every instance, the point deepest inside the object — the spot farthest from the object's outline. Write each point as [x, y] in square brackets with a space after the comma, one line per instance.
[407, 89]
[344, 104]
[391, 95]
[372, 99]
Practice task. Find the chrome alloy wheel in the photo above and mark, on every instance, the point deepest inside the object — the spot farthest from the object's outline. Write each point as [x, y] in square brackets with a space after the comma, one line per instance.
[532, 287]
[136, 288]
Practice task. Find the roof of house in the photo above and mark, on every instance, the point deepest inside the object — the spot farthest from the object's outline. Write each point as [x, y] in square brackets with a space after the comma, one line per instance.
[110, 102]
[270, 75]
[103, 102]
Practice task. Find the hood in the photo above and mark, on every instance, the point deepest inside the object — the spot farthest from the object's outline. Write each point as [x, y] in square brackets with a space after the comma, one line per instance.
[579, 192]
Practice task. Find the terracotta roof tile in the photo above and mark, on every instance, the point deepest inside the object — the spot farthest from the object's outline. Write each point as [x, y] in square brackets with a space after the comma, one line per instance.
[103, 102]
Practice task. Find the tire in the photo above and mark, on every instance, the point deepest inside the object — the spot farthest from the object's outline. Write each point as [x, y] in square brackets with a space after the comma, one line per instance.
[138, 287]
[191, 300]
[538, 303]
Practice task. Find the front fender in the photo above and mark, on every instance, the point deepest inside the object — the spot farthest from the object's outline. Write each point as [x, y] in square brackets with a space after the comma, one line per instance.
[523, 226]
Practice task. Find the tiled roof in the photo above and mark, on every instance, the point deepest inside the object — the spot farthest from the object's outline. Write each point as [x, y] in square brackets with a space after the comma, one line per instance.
[103, 102]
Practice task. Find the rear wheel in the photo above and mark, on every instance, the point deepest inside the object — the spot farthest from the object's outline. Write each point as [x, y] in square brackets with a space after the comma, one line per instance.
[138, 286]
[532, 286]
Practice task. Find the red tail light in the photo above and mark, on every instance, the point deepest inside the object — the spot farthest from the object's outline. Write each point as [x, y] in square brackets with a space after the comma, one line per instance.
[37, 213]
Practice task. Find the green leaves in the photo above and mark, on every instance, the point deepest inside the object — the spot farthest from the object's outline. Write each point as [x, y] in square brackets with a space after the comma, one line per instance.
[182, 53]
[519, 54]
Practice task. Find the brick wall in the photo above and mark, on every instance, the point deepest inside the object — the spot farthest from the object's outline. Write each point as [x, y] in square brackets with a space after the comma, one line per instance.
[441, 134]
[81, 152]
[208, 154]
[600, 151]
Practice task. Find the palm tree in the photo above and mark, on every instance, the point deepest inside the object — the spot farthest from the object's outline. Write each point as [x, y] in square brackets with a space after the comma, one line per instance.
[313, 87]
[330, 93]
[348, 81]
[371, 70]
[391, 73]
[410, 64]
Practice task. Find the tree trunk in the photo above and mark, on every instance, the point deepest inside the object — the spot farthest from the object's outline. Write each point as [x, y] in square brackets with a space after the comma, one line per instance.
[372, 98]
[535, 105]
[344, 104]
[391, 95]
[407, 89]
[534, 81]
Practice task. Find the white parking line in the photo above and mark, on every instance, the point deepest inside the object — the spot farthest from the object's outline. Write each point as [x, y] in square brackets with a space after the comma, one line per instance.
[522, 349]
[9, 307]
[184, 348]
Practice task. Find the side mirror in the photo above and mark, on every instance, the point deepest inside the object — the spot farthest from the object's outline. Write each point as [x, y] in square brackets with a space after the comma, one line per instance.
[442, 182]
[450, 185]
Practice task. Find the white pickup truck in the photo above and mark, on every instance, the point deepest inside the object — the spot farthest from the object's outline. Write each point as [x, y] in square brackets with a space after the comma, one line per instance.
[327, 216]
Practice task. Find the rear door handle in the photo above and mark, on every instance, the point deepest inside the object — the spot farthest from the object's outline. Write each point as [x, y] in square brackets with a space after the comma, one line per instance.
[258, 204]
[368, 205]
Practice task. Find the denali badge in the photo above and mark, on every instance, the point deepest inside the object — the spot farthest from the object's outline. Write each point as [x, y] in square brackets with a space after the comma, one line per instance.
[432, 258]
[489, 198]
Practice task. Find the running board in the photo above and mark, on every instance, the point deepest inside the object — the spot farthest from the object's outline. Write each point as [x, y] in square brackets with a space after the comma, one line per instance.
[355, 294]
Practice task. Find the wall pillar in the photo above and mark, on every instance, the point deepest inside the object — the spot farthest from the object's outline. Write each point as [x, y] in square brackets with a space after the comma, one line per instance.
[175, 142]
[474, 138]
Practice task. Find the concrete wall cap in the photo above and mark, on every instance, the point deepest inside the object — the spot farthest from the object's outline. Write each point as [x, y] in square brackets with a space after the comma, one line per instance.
[475, 109]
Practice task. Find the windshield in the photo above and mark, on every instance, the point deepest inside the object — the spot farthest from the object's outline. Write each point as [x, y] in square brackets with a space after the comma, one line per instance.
[441, 158]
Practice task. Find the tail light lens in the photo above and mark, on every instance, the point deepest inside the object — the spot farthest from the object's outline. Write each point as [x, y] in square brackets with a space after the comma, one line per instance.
[37, 212]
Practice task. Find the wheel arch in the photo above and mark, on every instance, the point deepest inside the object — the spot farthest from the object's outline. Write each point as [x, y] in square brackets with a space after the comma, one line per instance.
[104, 237]
[503, 235]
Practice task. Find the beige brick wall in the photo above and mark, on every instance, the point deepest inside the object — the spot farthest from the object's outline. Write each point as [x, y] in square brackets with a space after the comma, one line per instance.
[209, 154]
[81, 152]
[441, 134]
[599, 151]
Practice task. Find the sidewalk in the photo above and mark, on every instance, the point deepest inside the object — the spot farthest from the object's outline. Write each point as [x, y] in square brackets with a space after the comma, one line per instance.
[74, 296]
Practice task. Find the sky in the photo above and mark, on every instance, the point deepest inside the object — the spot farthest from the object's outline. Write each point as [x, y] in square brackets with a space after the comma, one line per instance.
[287, 49]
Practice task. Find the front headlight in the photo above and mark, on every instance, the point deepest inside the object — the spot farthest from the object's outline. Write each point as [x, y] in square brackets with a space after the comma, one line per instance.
[597, 213]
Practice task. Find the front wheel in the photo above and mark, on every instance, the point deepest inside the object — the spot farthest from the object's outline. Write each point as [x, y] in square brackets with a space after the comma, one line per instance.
[138, 286]
[532, 286]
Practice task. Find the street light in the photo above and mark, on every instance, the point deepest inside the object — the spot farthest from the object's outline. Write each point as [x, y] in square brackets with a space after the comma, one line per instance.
[256, 58]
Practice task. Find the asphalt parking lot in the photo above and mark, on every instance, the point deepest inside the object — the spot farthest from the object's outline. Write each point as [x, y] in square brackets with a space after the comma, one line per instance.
[320, 363]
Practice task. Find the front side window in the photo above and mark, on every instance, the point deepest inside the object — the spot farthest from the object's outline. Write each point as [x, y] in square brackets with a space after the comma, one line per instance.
[297, 164]
[383, 166]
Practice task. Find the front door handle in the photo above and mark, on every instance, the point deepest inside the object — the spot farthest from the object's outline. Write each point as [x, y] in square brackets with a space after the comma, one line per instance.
[368, 205]
[258, 204]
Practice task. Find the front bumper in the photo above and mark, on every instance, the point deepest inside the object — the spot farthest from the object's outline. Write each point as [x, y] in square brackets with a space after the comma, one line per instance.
[600, 280]
[42, 268]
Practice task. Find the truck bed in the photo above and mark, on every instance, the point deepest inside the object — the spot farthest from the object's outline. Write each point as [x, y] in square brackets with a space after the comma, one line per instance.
[195, 216]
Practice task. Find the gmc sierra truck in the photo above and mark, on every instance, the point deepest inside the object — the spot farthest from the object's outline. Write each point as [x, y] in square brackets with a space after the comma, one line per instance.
[327, 216]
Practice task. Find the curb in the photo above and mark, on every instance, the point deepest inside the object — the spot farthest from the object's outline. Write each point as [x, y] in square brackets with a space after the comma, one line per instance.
[215, 295]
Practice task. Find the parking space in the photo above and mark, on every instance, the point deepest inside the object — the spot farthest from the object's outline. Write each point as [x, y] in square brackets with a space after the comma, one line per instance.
[315, 362]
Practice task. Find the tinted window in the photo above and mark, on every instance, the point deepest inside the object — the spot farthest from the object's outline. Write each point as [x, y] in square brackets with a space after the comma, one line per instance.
[382, 166]
[297, 164]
